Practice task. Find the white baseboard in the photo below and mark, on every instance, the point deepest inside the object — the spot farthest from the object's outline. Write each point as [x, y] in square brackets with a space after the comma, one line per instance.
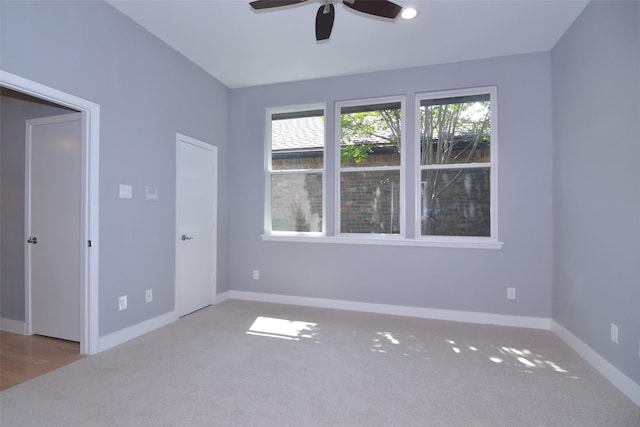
[610, 372]
[119, 337]
[13, 326]
[217, 299]
[398, 310]
[621, 381]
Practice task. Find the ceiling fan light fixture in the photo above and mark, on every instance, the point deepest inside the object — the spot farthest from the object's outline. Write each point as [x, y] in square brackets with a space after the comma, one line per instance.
[326, 12]
[408, 13]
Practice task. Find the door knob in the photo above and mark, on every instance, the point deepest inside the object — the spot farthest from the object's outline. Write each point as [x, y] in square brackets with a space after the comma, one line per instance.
[33, 240]
[185, 237]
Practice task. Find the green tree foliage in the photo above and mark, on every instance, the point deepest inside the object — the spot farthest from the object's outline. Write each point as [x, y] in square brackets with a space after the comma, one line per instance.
[444, 127]
[451, 133]
[361, 130]
[356, 153]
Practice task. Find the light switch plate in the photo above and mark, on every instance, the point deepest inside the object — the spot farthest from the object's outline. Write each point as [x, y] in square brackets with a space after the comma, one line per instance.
[126, 191]
[151, 193]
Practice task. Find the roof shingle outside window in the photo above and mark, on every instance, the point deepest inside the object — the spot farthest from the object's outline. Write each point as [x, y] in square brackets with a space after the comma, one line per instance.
[302, 133]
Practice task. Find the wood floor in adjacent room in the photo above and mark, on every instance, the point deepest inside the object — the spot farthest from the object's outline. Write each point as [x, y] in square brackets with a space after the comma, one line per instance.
[23, 357]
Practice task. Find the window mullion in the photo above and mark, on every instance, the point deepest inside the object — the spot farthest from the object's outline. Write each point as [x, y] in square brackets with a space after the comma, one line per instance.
[457, 166]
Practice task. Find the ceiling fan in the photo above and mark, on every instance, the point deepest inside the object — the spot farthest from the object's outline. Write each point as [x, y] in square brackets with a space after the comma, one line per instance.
[326, 12]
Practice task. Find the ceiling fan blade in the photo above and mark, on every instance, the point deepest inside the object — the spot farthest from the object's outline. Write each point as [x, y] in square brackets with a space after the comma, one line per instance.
[381, 8]
[324, 21]
[267, 4]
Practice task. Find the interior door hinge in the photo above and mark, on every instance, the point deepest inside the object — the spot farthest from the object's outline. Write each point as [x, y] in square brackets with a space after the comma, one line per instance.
[89, 243]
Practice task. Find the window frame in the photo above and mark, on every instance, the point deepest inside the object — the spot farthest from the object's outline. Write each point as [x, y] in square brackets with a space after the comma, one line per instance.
[490, 241]
[401, 168]
[410, 177]
[269, 173]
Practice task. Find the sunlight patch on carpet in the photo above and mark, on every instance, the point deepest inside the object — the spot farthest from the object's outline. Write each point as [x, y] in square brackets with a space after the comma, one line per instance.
[282, 328]
[529, 359]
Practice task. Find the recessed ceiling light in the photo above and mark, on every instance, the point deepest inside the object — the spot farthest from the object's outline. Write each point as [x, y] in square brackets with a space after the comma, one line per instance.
[408, 13]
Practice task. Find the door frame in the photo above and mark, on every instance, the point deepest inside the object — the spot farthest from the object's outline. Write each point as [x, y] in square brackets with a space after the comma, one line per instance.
[90, 143]
[184, 139]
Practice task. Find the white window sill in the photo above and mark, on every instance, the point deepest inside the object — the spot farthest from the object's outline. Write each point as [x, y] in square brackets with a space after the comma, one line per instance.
[468, 243]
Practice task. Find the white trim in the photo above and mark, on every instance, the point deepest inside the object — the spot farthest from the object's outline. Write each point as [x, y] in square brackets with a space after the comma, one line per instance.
[399, 310]
[492, 165]
[625, 384]
[267, 168]
[222, 297]
[369, 168]
[401, 168]
[13, 326]
[127, 334]
[295, 171]
[385, 240]
[120, 337]
[268, 172]
[90, 196]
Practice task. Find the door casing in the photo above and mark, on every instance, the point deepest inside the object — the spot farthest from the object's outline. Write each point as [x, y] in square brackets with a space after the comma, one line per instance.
[90, 144]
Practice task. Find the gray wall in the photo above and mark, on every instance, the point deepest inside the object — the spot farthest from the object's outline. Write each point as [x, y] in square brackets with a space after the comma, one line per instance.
[147, 92]
[596, 131]
[457, 279]
[15, 109]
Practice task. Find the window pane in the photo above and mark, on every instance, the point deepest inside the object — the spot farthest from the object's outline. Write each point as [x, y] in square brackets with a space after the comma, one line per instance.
[456, 202]
[455, 130]
[296, 202]
[297, 140]
[370, 202]
[370, 135]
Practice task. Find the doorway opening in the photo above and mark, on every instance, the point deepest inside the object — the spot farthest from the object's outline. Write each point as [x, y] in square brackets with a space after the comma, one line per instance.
[89, 257]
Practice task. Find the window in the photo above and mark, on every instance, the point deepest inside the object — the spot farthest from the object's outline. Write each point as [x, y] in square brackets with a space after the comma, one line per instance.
[295, 172]
[370, 167]
[435, 185]
[457, 164]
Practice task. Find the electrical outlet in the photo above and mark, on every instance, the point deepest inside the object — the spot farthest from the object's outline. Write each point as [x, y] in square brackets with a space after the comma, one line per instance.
[511, 293]
[148, 295]
[256, 274]
[614, 333]
[122, 303]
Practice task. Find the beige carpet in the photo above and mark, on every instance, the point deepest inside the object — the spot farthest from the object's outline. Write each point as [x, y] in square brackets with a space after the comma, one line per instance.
[256, 364]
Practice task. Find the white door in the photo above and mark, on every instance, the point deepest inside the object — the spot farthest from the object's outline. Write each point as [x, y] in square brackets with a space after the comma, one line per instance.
[53, 225]
[196, 207]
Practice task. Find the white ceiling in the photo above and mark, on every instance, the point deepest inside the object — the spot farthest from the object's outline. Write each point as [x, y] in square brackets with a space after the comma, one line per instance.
[241, 47]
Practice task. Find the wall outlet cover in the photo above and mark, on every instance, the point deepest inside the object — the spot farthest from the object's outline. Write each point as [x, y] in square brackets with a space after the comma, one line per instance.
[614, 333]
[126, 191]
